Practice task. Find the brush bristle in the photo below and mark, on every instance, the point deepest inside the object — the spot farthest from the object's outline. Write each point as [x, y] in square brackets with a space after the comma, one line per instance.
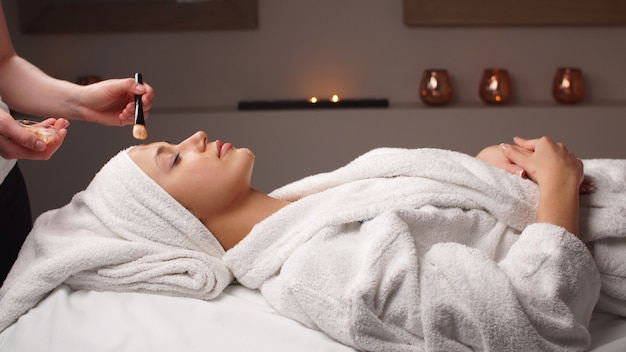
[140, 132]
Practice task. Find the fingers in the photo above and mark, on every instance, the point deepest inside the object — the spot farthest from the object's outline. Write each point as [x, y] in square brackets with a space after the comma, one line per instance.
[515, 170]
[61, 123]
[587, 187]
[22, 137]
[492, 155]
[58, 124]
[146, 99]
[520, 157]
[544, 161]
[17, 142]
[138, 89]
[53, 145]
[516, 155]
[127, 114]
[525, 143]
[9, 149]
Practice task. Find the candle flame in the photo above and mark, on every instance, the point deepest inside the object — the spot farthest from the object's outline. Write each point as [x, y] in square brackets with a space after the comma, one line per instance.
[334, 98]
[432, 82]
[313, 100]
[493, 83]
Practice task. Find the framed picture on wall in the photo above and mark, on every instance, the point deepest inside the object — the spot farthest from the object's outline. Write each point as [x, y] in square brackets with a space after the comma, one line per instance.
[83, 16]
[514, 12]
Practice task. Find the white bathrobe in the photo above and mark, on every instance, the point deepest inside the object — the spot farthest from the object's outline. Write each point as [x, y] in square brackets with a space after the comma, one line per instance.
[412, 250]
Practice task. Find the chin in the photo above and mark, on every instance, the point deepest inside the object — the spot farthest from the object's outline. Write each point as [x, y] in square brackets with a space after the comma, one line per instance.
[248, 151]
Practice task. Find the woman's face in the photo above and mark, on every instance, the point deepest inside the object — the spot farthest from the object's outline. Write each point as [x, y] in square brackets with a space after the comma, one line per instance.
[205, 177]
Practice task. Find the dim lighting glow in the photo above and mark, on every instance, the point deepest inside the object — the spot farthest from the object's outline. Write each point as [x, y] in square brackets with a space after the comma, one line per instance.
[334, 98]
[313, 100]
[432, 82]
[493, 84]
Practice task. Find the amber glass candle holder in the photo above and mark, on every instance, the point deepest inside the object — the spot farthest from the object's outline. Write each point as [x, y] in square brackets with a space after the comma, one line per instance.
[435, 87]
[567, 85]
[495, 86]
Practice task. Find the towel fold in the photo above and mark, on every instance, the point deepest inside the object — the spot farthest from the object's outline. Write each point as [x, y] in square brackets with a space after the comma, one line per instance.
[602, 225]
[122, 233]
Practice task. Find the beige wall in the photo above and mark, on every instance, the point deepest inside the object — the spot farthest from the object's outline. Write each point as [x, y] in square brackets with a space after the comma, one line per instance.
[354, 48]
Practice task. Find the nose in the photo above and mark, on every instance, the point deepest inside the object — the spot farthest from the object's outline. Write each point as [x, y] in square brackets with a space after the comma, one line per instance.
[196, 141]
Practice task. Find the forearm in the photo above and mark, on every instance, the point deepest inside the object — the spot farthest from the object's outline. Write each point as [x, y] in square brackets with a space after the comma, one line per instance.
[558, 205]
[27, 89]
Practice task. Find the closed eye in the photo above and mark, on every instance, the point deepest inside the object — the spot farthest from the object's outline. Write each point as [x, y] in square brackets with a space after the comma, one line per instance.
[166, 156]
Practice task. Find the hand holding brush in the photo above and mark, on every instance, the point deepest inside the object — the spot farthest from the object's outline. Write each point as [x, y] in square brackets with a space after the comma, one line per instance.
[139, 128]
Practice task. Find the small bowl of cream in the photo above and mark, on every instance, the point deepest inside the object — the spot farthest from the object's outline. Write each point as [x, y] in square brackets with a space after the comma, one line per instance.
[45, 132]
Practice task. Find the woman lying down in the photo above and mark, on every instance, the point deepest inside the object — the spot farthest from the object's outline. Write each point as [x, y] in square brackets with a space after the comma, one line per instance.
[400, 250]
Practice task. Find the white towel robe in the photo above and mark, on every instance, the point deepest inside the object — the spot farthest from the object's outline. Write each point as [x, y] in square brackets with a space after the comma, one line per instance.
[422, 250]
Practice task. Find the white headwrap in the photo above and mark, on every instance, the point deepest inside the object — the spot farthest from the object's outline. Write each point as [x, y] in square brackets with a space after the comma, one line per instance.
[122, 233]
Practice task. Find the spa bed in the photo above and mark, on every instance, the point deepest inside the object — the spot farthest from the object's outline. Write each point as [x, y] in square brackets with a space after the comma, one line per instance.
[240, 320]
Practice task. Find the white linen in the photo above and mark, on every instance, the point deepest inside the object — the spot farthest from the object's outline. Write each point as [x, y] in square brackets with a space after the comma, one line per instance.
[362, 253]
[122, 233]
[239, 320]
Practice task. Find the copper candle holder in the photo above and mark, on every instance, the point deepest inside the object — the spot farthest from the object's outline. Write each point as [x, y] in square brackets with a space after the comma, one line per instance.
[567, 85]
[435, 87]
[495, 86]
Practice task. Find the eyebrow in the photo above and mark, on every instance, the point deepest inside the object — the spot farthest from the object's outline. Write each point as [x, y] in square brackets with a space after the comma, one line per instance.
[160, 150]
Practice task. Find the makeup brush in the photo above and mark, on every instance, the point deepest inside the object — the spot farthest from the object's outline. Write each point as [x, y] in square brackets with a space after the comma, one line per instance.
[139, 128]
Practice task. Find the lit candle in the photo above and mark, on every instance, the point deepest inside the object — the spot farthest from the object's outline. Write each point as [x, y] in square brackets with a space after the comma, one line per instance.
[568, 85]
[313, 103]
[495, 86]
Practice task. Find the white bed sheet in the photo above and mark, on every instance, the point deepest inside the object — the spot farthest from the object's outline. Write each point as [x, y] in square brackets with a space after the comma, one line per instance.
[240, 320]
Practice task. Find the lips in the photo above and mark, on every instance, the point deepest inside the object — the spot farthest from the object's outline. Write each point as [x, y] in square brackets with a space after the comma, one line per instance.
[218, 145]
[222, 148]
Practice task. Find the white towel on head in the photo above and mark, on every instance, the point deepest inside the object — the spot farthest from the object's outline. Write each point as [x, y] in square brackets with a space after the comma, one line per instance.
[122, 233]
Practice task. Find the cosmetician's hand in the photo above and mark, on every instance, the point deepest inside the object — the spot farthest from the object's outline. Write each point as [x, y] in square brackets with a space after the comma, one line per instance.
[112, 102]
[17, 142]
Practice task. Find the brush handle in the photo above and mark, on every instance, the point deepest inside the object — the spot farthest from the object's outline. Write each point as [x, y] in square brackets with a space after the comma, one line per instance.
[138, 105]
[138, 78]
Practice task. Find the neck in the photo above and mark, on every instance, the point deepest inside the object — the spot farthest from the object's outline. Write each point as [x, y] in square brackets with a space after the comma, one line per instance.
[234, 224]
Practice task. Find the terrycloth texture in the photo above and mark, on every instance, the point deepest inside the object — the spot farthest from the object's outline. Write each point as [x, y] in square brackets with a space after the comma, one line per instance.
[422, 249]
[122, 233]
[605, 211]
